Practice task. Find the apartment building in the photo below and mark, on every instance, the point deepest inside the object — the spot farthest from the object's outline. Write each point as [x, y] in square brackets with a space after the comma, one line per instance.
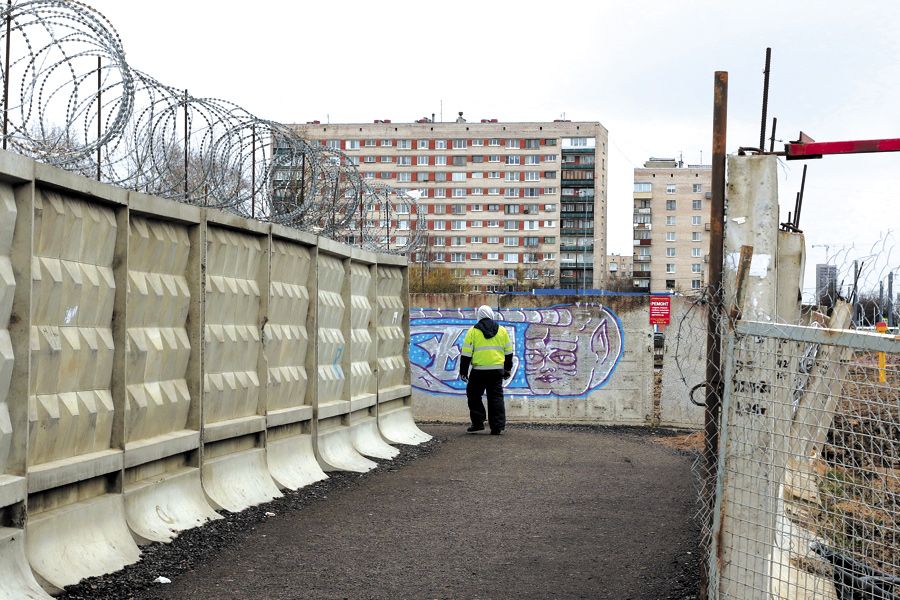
[505, 204]
[619, 270]
[671, 225]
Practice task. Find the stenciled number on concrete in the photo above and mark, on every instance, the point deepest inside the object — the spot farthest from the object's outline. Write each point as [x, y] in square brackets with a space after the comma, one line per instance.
[566, 350]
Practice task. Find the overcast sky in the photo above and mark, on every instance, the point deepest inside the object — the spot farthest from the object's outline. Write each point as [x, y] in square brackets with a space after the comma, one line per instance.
[644, 70]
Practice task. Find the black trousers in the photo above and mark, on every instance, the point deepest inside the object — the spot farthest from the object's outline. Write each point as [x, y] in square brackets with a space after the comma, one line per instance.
[491, 382]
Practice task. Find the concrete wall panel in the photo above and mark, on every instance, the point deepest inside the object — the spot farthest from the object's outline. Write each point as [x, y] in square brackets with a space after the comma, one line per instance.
[331, 336]
[7, 292]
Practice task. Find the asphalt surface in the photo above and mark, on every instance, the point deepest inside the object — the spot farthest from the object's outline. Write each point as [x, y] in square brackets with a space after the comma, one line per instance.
[540, 512]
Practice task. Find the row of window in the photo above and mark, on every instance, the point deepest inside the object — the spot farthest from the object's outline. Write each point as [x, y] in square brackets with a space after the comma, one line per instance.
[671, 188]
[460, 176]
[695, 267]
[443, 144]
[671, 221]
[695, 252]
[510, 258]
[696, 236]
[508, 241]
[461, 225]
[423, 160]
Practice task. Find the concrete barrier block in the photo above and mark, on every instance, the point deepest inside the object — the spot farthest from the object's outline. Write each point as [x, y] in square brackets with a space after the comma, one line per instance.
[164, 498]
[291, 459]
[366, 438]
[335, 448]
[6, 368]
[86, 538]
[236, 477]
[16, 579]
[396, 423]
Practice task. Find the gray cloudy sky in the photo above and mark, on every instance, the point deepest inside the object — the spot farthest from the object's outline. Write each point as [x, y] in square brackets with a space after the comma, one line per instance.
[644, 70]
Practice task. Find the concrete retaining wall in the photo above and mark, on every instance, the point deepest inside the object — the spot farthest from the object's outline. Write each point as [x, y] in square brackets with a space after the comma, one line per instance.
[160, 362]
[573, 361]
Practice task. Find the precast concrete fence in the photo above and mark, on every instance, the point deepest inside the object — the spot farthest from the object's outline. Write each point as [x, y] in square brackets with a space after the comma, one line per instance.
[160, 362]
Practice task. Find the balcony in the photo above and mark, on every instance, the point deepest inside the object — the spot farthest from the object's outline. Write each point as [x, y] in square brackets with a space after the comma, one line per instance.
[577, 183]
[707, 226]
[642, 283]
[642, 211]
[642, 242]
[643, 195]
[644, 226]
[641, 259]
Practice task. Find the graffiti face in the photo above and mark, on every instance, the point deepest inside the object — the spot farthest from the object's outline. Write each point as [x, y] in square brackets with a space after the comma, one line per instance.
[560, 351]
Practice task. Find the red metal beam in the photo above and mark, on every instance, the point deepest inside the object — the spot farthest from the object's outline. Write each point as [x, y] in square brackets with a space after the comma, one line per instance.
[819, 149]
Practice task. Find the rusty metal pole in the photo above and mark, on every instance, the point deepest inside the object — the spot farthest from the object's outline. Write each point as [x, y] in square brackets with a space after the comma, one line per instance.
[772, 139]
[6, 73]
[715, 312]
[765, 102]
[99, 112]
[253, 174]
[185, 144]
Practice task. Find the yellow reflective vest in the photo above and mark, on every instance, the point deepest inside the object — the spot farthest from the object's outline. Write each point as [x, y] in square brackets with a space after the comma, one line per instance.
[487, 354]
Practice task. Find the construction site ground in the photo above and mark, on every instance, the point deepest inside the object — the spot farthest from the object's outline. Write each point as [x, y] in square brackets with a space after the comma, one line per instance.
[539, 512]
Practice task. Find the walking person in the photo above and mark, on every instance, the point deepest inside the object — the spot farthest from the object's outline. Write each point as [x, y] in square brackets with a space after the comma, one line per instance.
[488, 349]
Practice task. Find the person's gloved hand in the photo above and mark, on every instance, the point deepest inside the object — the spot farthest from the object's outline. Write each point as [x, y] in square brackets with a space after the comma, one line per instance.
[506, 374]
[465, 378]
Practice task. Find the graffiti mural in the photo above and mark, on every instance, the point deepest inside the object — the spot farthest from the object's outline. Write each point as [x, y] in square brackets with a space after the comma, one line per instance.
[567, 350]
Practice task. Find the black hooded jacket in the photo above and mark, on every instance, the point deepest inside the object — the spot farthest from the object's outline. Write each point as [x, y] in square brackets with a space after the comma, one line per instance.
[489, 328]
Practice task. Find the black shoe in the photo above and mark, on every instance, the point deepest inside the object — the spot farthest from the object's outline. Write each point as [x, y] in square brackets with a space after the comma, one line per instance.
[496, 431]
[474, 428]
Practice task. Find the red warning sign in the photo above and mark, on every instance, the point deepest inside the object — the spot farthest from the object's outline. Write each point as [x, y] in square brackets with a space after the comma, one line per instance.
[660, 310]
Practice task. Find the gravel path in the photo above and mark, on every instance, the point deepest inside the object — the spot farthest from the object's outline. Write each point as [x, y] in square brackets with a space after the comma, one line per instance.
[540, 512]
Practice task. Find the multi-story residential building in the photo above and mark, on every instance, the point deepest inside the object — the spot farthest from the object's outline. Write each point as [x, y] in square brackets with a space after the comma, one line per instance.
[505, 203]
[671, 225]
[619, 270]
[826, 283]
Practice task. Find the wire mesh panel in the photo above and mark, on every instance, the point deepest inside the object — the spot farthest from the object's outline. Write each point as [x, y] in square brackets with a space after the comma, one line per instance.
[808, 491]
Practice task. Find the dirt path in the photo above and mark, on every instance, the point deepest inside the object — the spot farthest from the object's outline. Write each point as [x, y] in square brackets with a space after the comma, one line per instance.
[541, 512]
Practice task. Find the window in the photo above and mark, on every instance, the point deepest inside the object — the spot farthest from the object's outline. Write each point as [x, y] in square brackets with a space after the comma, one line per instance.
[403, 225]
[458, 209]
[459, 192]
[387, 159]
[403, 209]
[422, 144]
[695, 268]
[549, 223]
[385, 175]
[529, 257]
[421, 176]
[493, 191]
[494, 158]
[642, 187]
[369, 175]
[440, 241]
[670, 267]
[669, 220]
[385, 143]
[670, 283]
[440, 177]
[459, 144]
[477, 175]
[549, 208]
[511, 258]
[458, 241]
[697, 187]
[404, 161]
[353, 160]
[670, 236]
[493, 174]
[478, 142]
[695, 220]
[476, 225]
[404, 144]
[532, 144]
[352, 144]
[404, 177]
[370, 143]
[549, 174]
[511, 225]
[550, 256]
[511, 241]
[695, 236]
[493, 142]
[695, 252]
[458, 176]
[440, 193]
[478, 159]
[670, 188]
[422, 160]
[531, 209]
[532, 192]
[493, 239]
[476, 239]
[549, 158]
[578, 142]
[532, 175]
[368, 159]
[551, 239]
[333, 144]
[531, 225]
[440, 225]
[549, 191]
[440, 161]
[494, 223]
[670, 252]
[695, 284]
[439, 257]
[511, 209]
[697, 204]
[493, 207]
[511, 176]
[459, 161]
[512, 144]
[460, 226]
[476, 207]
[530, 241]
[510, 192]
[476, 192]
[440, 144]
[533, 159]
[513, 160]
[670, 205]
[493, 256]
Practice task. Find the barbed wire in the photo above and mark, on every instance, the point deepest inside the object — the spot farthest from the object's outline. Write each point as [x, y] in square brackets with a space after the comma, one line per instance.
[72, 100]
